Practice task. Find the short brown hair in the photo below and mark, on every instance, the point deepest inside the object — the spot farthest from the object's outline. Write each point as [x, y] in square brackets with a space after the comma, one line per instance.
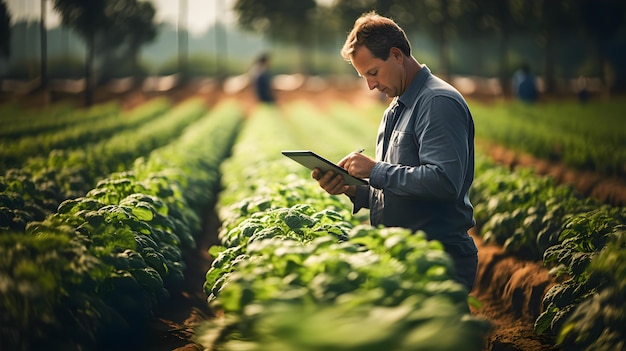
[377, 33]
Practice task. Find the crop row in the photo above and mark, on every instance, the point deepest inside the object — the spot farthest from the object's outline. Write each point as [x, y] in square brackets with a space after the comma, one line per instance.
[297, 271]
[532, 217]
[14, 152]
[588, 137]
[91, 275]
[582, 241]
[18, 122]
[34, 191]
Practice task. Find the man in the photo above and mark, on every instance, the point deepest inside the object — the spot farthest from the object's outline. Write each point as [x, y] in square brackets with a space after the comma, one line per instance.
[424, 162]
[524, 85]
[262, 80]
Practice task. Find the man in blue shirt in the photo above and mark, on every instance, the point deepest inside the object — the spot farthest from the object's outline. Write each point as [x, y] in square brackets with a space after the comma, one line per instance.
[424, 163]
[524, 85]
[262, 80]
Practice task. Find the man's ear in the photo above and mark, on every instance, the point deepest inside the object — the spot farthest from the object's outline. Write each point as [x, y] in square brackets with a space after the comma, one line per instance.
[396, 54]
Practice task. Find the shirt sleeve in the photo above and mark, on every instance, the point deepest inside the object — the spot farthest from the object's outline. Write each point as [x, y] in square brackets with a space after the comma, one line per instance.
[441, 130]
[361, 198]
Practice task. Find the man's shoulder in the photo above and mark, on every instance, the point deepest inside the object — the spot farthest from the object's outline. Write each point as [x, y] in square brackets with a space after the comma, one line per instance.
[436, 87]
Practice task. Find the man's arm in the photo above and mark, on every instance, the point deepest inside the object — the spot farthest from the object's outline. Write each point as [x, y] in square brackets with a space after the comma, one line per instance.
[442, 132]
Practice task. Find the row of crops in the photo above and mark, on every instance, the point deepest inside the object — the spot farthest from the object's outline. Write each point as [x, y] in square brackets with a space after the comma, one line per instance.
[582, 136]
[93, 272]
[94, 234]
[297, 271]
[582, 241]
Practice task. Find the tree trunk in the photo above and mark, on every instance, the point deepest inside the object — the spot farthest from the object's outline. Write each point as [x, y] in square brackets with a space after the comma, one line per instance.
[134, 58]
[89, 63]
[505, 81]
[549, 78]
[182, 40]
[606, 71]
[44, 46]
[444, 53]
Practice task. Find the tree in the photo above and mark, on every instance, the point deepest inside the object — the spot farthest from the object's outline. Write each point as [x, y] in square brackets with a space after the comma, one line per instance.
[350, 10]
[5, 30]
[109, 25]
[131, 26]
[439, 18]
[183, 38]
[43, 35]
[88, 18]
[601, 21]
[499, 18]
[287, 21]
[548, 21]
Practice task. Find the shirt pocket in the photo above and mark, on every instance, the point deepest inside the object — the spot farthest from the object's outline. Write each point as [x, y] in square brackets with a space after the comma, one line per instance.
[403, 149]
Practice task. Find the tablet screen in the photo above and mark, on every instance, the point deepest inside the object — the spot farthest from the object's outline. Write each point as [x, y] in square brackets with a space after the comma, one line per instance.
[312, 160]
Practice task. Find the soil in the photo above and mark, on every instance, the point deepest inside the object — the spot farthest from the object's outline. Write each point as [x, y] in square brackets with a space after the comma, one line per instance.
[510, 289]
[173, 329]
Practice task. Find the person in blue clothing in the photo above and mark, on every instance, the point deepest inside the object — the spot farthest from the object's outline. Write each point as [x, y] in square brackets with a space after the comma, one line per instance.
[424, 164]
[262, 79]
[524, 84]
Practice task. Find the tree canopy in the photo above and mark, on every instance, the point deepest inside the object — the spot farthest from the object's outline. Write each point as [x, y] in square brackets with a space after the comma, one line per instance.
[107, 25]
[284, 20]
[5, 30]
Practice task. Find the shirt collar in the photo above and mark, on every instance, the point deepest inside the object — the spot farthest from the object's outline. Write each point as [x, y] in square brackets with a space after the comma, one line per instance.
[410, 94]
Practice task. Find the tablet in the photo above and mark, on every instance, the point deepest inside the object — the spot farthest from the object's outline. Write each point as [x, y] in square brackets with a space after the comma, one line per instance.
[311, 160]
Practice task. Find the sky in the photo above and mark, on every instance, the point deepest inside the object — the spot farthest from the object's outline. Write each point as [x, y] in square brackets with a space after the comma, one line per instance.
[202, 13]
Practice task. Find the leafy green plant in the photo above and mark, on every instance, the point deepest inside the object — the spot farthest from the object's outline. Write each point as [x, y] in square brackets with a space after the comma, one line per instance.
[584, 237]
[131, 232]
[287, 247]
[597, 323]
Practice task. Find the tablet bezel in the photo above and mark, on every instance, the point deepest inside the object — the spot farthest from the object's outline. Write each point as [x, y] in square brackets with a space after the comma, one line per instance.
[312, 160]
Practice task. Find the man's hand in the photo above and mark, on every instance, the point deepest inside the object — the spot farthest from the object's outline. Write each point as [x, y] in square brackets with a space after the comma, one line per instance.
[333, 183]
[357, 164]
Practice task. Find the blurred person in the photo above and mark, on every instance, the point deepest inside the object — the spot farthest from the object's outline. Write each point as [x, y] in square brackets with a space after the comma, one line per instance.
[262, 80]
[524, 84]
[582, 87]
[424, 164]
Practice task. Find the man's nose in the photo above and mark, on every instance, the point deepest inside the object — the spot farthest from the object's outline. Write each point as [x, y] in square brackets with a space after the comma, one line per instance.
[371, 84]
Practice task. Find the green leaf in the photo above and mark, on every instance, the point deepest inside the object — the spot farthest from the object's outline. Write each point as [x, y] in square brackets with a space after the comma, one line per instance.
[143, 211]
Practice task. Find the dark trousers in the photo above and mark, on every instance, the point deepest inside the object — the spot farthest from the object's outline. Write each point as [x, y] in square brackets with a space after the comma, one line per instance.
[465, 267]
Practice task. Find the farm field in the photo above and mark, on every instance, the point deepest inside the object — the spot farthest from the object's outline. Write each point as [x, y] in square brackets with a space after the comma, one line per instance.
[216, 189]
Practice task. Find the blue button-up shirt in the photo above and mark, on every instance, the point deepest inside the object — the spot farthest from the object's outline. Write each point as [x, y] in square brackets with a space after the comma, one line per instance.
[421, 181]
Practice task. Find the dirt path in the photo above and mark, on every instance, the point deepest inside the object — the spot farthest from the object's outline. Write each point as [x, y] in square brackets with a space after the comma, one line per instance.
[510, 291]
[173, 329]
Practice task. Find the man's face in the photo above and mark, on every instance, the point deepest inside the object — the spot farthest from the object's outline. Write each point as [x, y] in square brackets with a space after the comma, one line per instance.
[386, 76]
